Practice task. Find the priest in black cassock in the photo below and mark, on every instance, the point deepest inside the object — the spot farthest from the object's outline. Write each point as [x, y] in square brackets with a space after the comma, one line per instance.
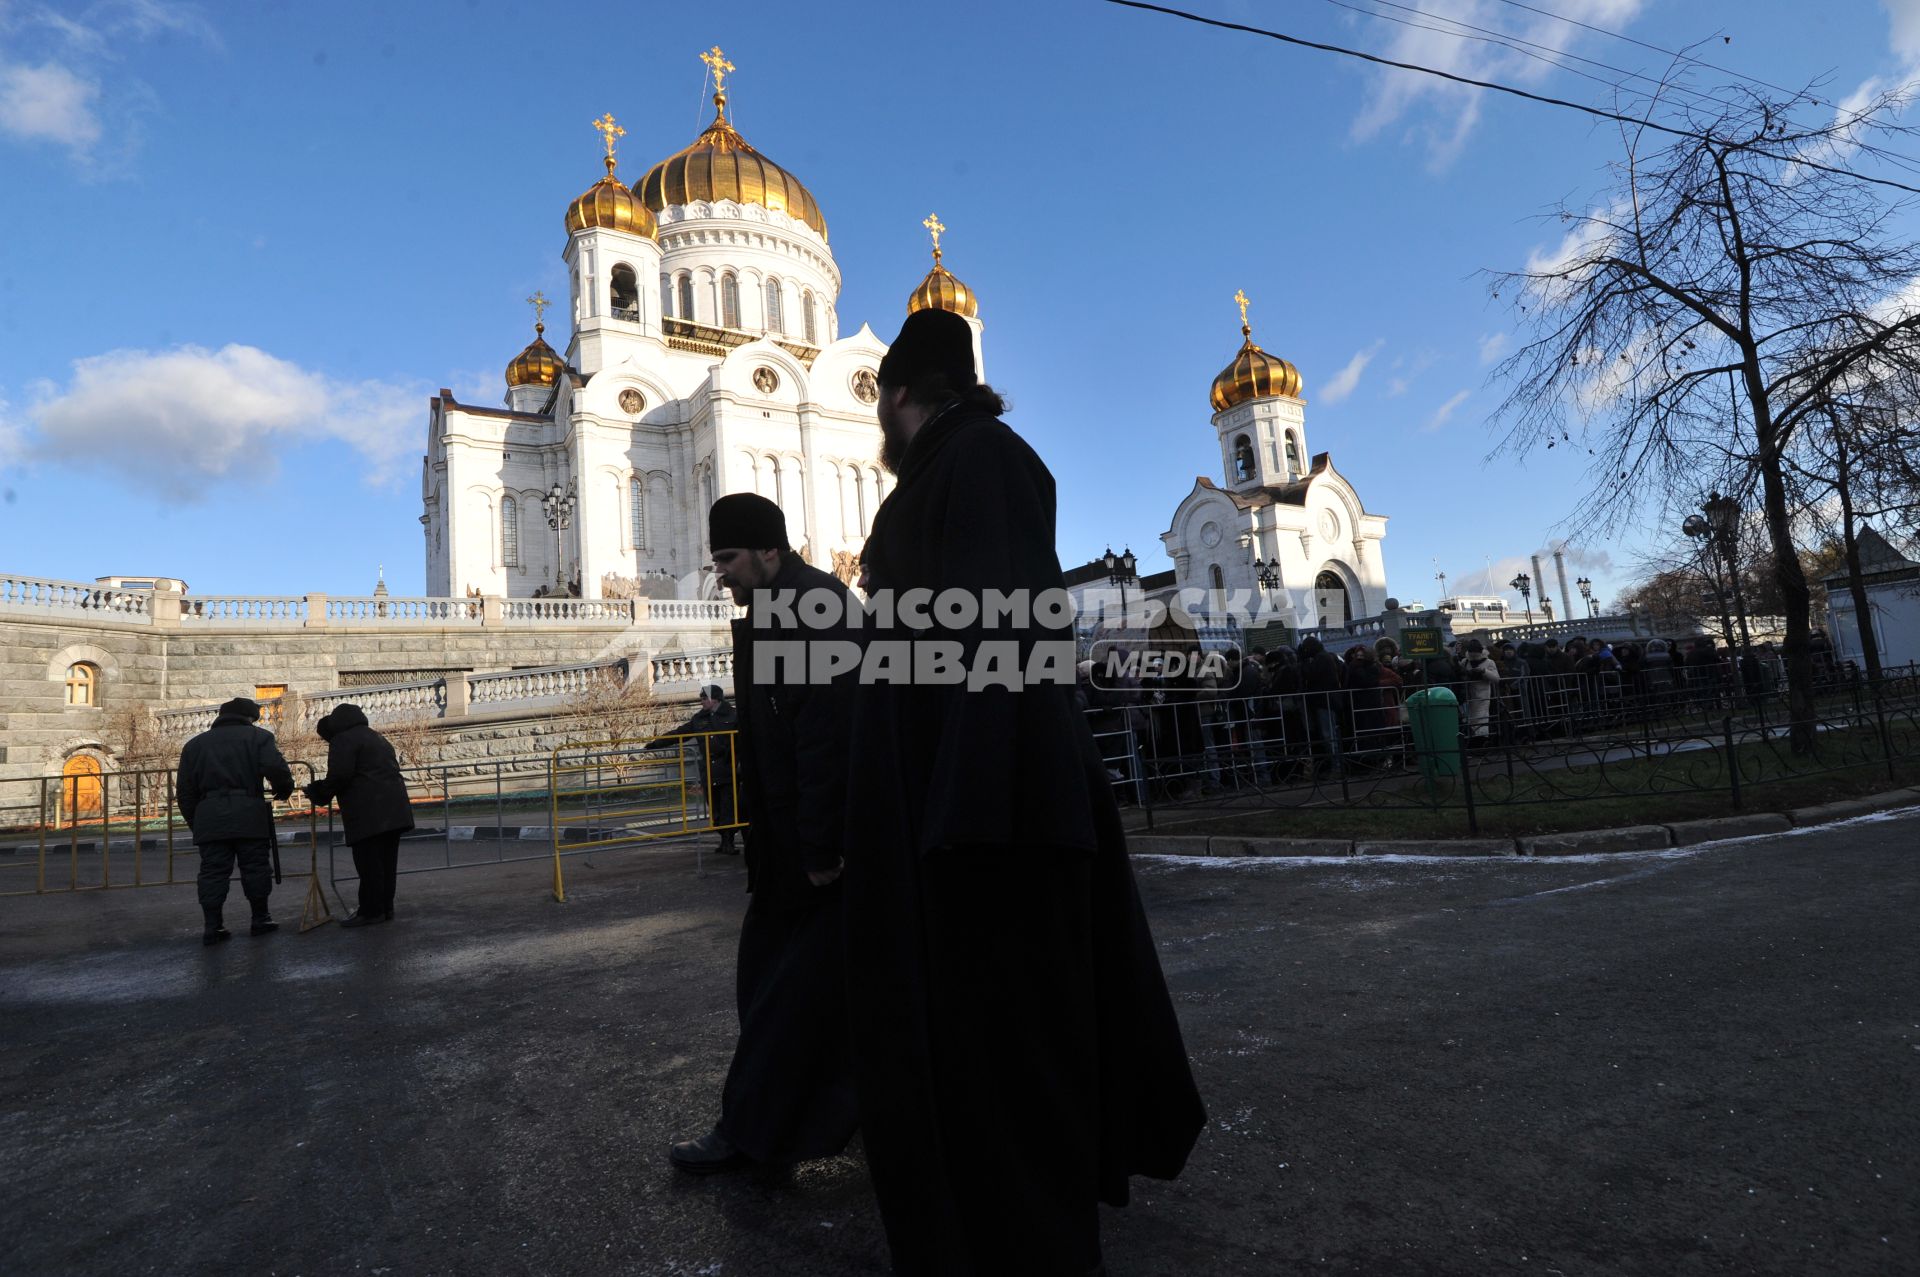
[1015, 1049]
[789, 1093]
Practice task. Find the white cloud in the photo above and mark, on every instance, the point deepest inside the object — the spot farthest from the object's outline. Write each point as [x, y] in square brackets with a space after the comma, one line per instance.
[1396, 387]
[1343, 382]
[48, 103]
[1454, 109]
[1903, 33]
[1492, 346]
[1445, 411]
[179, 418]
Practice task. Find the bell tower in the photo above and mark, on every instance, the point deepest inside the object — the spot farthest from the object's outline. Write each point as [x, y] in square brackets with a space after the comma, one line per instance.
[613, 266]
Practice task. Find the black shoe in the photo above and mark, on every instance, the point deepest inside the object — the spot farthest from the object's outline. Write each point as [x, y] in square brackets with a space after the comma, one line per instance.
[263, 924]
[214, 935]
[364, 919]
[726, 848]
[389, 915]
[711, 1154]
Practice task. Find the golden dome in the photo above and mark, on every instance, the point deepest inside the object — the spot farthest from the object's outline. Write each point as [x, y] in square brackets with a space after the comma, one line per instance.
[722, 165]
[1253, 374]
[537, 365]
[941, 290]
[608, 204]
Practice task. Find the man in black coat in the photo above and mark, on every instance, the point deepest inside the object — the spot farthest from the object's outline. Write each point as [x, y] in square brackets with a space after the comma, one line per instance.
[1015, 1048]
[363, 776]
[218, 791]
[712, 749]
[789, 1092]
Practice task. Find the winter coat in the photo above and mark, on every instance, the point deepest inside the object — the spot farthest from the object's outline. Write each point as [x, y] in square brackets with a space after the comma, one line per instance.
[218, 786]
[1480, 676]
[712, 755]
[793, 750]
[363, 777]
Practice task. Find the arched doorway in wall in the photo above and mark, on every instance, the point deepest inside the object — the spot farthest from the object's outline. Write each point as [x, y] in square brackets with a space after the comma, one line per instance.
[80, 789]
[1331, 603]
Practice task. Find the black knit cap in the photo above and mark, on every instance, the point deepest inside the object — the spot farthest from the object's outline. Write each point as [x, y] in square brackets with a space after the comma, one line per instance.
[745, 521]
[931, 341]
[241, 707]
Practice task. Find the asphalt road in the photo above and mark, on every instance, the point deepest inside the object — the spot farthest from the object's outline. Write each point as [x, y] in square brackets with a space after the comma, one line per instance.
[1690, 1062]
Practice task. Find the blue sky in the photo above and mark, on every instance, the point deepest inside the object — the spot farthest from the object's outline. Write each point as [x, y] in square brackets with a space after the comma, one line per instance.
[244, 243]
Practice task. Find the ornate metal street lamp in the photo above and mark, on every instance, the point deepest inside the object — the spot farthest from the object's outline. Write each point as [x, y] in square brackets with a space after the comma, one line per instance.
[559, 507]
[1120, 571]
[1586, 592]
[1524, 584]
[1719, 528]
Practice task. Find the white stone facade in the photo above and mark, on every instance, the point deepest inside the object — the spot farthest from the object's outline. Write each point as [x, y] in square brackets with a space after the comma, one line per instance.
[1283, 506]
[709, 361]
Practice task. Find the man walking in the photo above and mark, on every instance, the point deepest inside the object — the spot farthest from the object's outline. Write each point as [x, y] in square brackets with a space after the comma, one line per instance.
[789, 1094]
[705, 737]
[218, 791]
[1015, 1048]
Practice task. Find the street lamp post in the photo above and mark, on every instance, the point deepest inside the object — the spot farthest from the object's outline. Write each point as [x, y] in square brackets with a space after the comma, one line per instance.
[1696, 526]
[1723, 516]
[559, 510]
[1120, 571]
[1586, 592]
[1524, 584]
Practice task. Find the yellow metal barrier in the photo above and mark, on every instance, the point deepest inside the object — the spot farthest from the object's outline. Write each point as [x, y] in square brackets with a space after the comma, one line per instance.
[125, 807]
[638, 792]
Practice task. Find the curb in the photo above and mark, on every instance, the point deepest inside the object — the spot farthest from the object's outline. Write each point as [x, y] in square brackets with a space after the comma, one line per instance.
[1586, 842]
[1688, 832]
[1436, 847]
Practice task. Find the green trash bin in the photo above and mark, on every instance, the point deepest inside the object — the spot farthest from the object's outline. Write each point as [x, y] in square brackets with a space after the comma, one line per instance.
[1433, 716]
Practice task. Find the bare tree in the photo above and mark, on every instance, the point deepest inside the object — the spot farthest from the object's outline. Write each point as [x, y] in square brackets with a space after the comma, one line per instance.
[612, 708]
[1693, 323]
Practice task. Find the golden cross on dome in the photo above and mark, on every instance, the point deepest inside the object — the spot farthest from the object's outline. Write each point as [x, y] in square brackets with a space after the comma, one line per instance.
[933, 224]
[1240, 295]
[717, 63]
[609, 132]
[539, 303]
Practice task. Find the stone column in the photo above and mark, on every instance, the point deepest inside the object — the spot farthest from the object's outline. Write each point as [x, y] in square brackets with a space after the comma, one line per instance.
[316, 612]
[458, 694]
[490, 610]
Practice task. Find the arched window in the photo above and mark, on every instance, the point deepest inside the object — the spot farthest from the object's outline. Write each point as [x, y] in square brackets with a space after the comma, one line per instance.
[1293, 456]
[686, 297]
[637, 511]
[666, 295]
[1330, 593]
[776, 310]
[729, 302]
[1243, 463]
[808, 322]
[626, 293]
[83, 684]
[509, 532]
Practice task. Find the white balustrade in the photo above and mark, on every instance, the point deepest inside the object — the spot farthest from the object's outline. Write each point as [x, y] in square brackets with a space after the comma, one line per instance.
[692, 667]
[567, 610]
[374, 609]
[702, 610]
[252, 611]
[32, 594]
[552, 683]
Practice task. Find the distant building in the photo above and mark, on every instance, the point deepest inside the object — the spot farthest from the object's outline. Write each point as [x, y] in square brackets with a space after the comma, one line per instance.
[1893, 593]
[1297, 519]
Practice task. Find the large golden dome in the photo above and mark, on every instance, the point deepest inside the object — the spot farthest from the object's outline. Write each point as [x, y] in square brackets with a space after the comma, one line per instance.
[1253, 374]
[537, 365]
[722, 165]
[941, 290]
[608, 204]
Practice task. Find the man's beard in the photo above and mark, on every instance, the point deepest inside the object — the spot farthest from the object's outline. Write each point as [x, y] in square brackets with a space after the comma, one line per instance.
[893, 445]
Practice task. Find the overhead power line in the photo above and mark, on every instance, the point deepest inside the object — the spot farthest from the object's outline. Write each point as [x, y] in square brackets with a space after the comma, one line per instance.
[1505, 88]
[1671, 53]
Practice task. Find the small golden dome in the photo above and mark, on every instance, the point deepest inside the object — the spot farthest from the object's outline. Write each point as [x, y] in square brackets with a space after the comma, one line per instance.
[941, 290]
[608, 204]
[537, 365]
[722, 165]
[1253, 374]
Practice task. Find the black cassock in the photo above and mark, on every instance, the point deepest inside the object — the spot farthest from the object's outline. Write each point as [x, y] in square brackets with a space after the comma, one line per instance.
[1015, 1049]
[789, 1092]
